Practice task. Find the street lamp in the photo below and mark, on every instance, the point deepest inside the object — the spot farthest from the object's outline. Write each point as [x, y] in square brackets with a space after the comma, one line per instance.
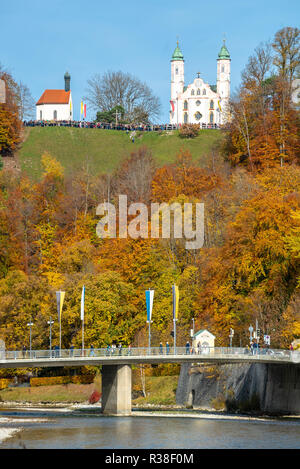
[250, 330]
[193, 329]
[30, 324]
[50, 323]
[231, 334]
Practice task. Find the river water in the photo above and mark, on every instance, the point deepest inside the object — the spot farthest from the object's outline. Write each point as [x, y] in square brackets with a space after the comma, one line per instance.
[82, 429]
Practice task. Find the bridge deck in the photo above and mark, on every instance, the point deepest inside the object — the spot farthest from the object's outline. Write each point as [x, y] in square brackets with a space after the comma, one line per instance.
[216, 355]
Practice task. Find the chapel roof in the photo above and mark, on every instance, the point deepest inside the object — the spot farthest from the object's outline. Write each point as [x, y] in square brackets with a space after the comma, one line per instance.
[201, 332]
[55, 97]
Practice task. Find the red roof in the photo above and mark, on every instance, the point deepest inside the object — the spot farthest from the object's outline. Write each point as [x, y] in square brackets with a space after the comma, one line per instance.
[54, 97]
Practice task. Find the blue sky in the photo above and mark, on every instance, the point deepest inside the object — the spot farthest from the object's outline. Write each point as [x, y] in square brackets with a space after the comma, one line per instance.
[41, 40]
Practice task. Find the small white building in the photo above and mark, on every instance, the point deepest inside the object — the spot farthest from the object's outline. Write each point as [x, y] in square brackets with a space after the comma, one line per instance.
[204, 338]
[56, 105]
[200, 102]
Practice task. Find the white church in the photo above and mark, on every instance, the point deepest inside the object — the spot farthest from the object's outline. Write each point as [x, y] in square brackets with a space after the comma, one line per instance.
[56, 105]
[199, 102]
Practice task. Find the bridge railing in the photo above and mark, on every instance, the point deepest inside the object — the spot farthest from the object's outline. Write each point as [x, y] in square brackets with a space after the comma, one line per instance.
[165, 351]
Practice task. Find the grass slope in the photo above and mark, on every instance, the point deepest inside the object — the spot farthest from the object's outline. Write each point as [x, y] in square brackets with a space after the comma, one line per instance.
[105, 148]
[160, 390]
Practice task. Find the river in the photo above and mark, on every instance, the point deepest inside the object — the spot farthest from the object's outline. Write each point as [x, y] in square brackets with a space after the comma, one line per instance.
[85, 428]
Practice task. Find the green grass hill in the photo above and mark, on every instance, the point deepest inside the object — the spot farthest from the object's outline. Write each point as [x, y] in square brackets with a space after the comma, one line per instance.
[105, 148]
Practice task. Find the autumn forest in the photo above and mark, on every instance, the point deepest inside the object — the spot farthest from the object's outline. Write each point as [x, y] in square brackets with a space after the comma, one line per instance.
[247, 269]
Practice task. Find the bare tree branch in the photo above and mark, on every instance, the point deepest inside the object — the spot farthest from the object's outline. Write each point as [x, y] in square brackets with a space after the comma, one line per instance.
[122, 89]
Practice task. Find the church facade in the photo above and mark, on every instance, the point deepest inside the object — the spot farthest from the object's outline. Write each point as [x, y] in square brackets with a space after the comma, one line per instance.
[199, 102]
[56, 105]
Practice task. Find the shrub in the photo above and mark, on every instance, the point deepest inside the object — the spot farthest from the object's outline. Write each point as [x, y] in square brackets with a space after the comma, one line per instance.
[4, 383]
[94, 397]
[189, 130]
[50, 381]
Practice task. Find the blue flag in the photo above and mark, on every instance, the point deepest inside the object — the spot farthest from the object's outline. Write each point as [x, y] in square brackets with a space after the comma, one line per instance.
[149, 303]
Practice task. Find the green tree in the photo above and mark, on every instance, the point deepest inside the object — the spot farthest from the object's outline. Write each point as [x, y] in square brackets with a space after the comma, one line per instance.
[116, 114]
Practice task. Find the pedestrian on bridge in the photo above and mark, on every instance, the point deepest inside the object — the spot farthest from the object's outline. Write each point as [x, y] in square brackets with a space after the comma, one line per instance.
[92, 353]
[71, 350]
[167, 348]
[187, 348]
[120, 348]
[24, 350]
[161, 348]
[56, 348]
[255, 347]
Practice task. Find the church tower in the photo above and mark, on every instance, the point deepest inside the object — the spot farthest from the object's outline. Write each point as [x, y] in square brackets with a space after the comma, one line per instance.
[223, 73]
[177, 83]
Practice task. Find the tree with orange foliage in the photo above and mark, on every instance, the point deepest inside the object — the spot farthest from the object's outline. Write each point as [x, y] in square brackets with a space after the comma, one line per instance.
[10, 125]
[253, 267]
[264, 127]
[182, 177]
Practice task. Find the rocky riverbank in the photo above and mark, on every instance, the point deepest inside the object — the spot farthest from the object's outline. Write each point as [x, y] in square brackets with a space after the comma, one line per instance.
[254, 388]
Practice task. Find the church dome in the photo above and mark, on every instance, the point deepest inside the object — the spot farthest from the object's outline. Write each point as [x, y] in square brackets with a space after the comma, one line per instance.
[224, 54]
[177, 54]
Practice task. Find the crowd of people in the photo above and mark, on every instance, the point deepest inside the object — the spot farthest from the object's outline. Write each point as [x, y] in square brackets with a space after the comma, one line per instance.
[111, 126]
[254, 349]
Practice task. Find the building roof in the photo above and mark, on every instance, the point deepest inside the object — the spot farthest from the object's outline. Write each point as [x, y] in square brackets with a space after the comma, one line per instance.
[224, 54]
[55, 97]
[201, 332]
[177, 54]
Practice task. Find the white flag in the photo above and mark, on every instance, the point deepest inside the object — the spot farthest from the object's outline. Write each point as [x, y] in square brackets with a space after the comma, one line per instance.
[82, 303]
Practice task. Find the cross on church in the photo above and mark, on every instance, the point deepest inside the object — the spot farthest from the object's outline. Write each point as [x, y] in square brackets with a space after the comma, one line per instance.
[198, 73]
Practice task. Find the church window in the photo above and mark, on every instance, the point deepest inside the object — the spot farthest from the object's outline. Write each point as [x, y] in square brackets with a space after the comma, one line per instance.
[204, 91]
[185, 105]
[55, 115]
[41, 115]
[211, 106]
[185, 118]
[211, 118]
[176, 70]
[198, 102]
[198, 91]
[222, 69]
[192, 92]
[198, 116]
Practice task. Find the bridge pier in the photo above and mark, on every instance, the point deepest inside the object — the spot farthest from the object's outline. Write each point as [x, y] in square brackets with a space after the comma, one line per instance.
[116, 389]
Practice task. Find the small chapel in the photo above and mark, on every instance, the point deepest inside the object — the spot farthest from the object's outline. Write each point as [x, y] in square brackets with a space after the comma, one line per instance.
[199, 102]
[56, 105]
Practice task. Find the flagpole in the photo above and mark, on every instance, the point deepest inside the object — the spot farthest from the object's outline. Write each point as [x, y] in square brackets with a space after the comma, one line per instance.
[60, 295]
[149, 304]
[82, 318]
[174, 336]
[82, 336]
[149, 340]
[60, 335]
[175, 312]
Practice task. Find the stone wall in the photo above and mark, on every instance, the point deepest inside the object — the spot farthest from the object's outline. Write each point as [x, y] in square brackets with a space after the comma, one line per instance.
[274, 389]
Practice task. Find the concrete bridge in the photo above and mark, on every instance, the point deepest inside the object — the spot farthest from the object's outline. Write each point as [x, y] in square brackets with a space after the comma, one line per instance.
[116, 365]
